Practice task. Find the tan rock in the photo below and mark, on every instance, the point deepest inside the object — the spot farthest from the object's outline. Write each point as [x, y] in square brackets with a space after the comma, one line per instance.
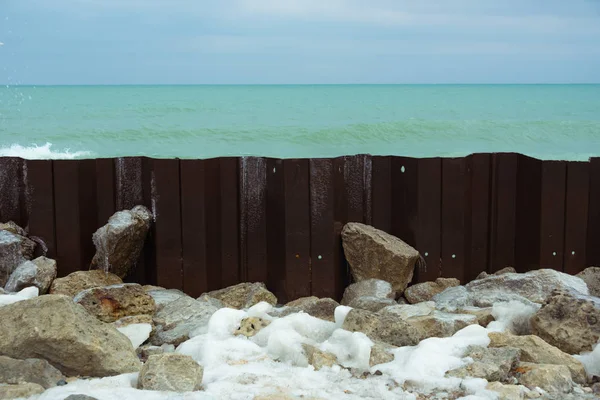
[591, 276]
[507, 392]
[60, 331]
[551, 378]
[535, 350]
[33, 370]
[120, 242]
[319, 308]
[318, 358]
[251, 326]
[426, 290]
[244, 295]
[111, 303]
[171, 372]
[20, 391]
[373, 304]
[372, 253]
[484, 315]
[78, 281]
[383, 328]
[491, 364]
[39, 273]
[505, 270]
[133, 319]
[368, 288]
[380, 354]
[440, 324]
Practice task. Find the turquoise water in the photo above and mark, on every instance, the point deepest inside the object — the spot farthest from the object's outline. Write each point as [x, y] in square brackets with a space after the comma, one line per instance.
[544, 121]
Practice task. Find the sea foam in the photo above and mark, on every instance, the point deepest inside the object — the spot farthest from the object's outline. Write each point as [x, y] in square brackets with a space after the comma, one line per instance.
[44, 152]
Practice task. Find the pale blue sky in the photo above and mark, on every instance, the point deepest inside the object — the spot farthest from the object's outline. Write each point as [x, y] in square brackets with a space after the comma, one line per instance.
[299, 41]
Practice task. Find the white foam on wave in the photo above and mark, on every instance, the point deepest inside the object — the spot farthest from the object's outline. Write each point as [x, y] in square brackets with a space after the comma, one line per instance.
[44, 152]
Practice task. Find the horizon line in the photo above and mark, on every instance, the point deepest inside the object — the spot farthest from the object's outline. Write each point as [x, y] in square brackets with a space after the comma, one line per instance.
[300, 84]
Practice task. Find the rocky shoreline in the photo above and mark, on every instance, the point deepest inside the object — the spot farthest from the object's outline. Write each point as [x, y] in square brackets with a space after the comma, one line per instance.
[88, 335]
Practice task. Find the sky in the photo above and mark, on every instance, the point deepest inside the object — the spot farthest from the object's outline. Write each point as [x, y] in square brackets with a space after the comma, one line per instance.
[299, 41]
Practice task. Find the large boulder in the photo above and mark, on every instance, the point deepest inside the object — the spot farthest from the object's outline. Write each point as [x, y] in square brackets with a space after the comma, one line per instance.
[426, 290]
[111, 303]
[10, 255]
[591, 276]
[78, 281]
[528, 288]
[372, 253]
[319, 308]
[19, 391]
[491, 364]
[382, 328]
[180, 320]
[120, 241]
[171, 372]
[552, 378]
[569, 321]
[535, 350]
[39, 273]
[62, 332]
[368, 288]
[244, 295]
[13, 371]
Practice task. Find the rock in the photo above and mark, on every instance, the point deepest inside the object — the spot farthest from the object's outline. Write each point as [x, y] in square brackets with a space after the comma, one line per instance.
[383, 328]
[251, 326]
[39, 273]
[368, 288]
[319, 308]
[171, 372]
[80, 397]
[569, 321]
[163, 297]
[405, 311]
[535, 350]
[26, 245]
[502, 271]
[484, 315]
[440, 324]
[244, 295]
[78, 281]
[318, 358]
[32, 370]
[493, 364]
[22, 390]
[10, 255]
[12, 227]
[507, 392]
[134, 319]
[120, 241]
[528, 288]
[551, 378]
[372, 304]
[591, 276]
[60, 331]
[206, 299]
[148, 350]
[426, 290]
[380, 354]
[2, 291]
[111, 303]
[372, 253]
[179, 319]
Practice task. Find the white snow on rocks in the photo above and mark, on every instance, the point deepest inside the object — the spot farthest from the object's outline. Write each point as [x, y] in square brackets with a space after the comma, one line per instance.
[137, 333]
[24, 294]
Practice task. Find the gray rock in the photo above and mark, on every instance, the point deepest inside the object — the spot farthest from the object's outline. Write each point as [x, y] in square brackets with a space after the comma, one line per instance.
[484, 315]
[147, 350]
[171, 372]
[383, 328]
[10, 255]
[165, 296]
[551, 378]
[244, 295]
[405, 311]
[13, 371]
[120, 242]
[425, 291]
[205, 298]
[78, 281]
[502, 271]
[368, 288]
[372, 304]
[528, 288]
[111, 303]
[569, 321]
[493, 364]
[591, 276]
[56, 329]
[20, 391]
[319, 308]
[39, 273]
[179, 319]
[372, 253]
[12, 227]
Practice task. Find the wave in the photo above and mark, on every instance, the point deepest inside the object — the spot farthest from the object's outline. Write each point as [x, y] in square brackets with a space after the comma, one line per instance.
[44, 152]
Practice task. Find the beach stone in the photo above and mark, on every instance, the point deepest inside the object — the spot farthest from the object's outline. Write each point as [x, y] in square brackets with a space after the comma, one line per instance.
[10, 255]
[535, 350]
[250, 326]
[111, 303]
[502, 271]
[171, 372]
[179, 319]
[62, 332]
[162, 297]
[527, 288]
[32, 370]
[244, 295]
[569, 321]
[120, 241]
[591, 276]
[383, 328]
[372, 304]
[426, 290]
[380, 354]
[552, 378]
[80, 397]
[507, 392]
[372, 253]
[39, 273]
[318, 358]
[19, 391]
[491, 364]
[78, 281]
[368, 288]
